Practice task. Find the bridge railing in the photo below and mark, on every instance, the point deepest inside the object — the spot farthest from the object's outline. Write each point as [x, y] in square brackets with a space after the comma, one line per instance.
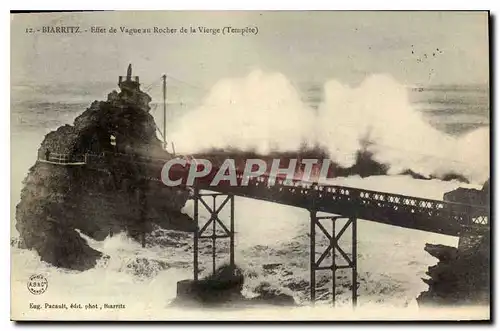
[61, 158]
[321, 193]
[465, 214]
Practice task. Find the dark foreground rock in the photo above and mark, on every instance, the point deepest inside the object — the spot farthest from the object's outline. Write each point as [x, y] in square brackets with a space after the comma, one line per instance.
[462, 275]
[57, 200]
[223, 289]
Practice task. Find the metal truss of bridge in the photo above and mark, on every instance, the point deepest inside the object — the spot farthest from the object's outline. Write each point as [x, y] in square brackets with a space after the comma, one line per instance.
[341, 202]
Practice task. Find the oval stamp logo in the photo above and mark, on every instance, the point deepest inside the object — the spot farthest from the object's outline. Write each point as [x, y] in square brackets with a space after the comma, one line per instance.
[37, 284]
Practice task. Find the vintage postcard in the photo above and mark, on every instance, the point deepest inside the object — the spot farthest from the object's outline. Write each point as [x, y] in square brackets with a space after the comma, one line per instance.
[250, 165]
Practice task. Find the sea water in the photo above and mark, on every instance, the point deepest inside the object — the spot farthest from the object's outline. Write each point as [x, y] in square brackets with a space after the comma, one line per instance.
[268, 112]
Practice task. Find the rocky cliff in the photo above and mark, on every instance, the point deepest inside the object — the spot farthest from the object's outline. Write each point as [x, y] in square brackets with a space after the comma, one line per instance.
[462, 275]
[59, 200]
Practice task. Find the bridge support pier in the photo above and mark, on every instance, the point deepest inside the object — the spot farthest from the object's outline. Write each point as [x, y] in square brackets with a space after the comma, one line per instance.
[219, 229]
[333, 249]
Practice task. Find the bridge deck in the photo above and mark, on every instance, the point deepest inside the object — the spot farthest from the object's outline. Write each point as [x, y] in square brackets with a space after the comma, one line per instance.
[436, 216]
[58, 162]
[404, 211]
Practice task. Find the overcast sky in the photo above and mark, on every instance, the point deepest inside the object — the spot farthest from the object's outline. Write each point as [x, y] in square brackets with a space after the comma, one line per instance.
[305, 46]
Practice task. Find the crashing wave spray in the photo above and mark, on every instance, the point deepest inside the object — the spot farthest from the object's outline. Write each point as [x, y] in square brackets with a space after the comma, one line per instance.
[263, 112]
[378, 116]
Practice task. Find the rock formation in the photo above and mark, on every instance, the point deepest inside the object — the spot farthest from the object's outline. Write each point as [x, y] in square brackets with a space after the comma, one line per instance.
[223, 288]
[57, 200]
[462, 275]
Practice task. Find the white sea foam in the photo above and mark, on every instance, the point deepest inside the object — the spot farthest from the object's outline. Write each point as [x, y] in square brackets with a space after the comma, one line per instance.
[391, 260]
[264, 112]
[266, 233]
